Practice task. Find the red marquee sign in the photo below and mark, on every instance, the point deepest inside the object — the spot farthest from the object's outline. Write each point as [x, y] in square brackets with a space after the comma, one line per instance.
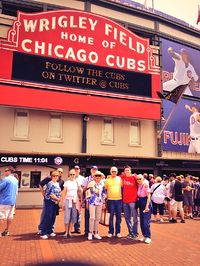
[79, 52]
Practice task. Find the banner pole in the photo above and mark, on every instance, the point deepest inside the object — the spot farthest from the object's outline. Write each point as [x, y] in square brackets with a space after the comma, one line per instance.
[166, 122]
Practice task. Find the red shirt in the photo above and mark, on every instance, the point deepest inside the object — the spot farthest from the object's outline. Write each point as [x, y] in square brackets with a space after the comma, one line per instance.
[129, 188]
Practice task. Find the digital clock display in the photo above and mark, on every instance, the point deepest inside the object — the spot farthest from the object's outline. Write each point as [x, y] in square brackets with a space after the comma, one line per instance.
[24, 159]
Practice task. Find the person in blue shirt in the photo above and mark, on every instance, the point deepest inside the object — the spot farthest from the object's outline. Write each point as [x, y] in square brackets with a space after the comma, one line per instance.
[8, 187]
[51, 199]
[42, 183]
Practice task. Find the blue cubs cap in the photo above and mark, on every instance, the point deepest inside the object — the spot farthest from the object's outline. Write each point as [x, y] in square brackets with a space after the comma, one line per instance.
[94, 167]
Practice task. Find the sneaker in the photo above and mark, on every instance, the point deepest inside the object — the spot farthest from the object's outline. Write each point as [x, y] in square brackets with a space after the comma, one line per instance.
[129, 236]
[142, 239]
[182, 221]
[161, 220]
[44, 237]
[148, 240]
[134, 237]
[70, 235]
[155, 219]
[5, 233]
[90, 236]
[52, 234]
[39, 232]
[173, 220]
[170, 218]
[64, 236]
[191, 217]
[109, 235]
[119, 235]
[97, 236]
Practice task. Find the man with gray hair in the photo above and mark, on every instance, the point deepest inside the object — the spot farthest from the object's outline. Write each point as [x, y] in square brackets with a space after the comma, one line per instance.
[8, 187]
[113, 186]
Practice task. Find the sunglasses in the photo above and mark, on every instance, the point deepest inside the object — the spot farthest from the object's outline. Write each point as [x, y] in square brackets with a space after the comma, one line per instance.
[98, 175]
[54, 175]
[113, 171]
[60, 172]
[139, 178]
[72, 174]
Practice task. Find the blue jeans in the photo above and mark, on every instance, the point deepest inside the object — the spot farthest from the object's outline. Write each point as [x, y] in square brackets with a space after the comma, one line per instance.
[77, 224]
[114, 206]
[145, 218]
[49, 217]
[87, 217]
[42, 216]
[131, 211]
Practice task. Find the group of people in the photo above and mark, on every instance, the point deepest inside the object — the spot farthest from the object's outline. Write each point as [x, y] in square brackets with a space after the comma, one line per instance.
[138, 195]
[175, 193]
[97, 193]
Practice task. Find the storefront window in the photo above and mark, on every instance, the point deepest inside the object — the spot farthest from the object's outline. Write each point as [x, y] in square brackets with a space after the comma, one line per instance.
[35, 179]
[107, 131]
[55, 127]
[21, 124]
[134, 133]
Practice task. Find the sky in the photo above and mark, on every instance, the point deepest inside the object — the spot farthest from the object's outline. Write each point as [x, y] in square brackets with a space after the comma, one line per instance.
[186, 10]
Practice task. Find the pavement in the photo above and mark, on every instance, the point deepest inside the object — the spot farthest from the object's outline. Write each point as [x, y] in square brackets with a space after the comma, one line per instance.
[172, 244]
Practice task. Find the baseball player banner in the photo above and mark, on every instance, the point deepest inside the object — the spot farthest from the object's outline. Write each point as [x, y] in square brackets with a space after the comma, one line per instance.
[198, 19]
[180, 67]
[182, 133]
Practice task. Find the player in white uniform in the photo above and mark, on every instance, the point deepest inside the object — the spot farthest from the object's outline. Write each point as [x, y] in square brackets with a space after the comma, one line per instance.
[194, 129]
[183, 70]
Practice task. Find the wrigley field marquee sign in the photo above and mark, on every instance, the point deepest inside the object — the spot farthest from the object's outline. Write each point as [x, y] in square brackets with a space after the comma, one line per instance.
[79, 52]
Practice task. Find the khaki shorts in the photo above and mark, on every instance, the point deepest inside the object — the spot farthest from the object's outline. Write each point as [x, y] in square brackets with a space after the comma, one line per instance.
[178, 205]
[6, 212]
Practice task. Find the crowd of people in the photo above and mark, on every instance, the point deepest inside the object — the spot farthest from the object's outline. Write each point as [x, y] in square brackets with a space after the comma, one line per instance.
[137, 195]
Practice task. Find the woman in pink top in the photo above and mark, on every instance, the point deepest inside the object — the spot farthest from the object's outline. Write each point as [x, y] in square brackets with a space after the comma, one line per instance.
[145, 209]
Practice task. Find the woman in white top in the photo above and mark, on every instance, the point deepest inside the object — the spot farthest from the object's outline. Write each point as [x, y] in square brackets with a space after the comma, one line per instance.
[158, 193]
[71, 192]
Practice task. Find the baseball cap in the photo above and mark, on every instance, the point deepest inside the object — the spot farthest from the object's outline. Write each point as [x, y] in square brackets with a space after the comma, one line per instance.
[183, 51]
[76, 167]
[94, 167]
[60, 170]
[195, 106]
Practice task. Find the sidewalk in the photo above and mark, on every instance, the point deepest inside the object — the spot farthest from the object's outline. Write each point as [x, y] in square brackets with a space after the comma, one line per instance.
[172, 244]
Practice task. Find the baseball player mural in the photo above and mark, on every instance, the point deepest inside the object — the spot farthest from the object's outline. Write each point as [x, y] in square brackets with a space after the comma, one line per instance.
[194, 146]
[181, 76]
[183, 70]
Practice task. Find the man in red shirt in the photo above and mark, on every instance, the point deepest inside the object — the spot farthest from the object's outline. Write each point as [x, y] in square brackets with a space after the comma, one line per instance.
[129, 201]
